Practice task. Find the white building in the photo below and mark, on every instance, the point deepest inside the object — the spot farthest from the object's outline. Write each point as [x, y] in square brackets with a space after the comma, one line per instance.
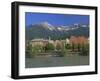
[67, 41]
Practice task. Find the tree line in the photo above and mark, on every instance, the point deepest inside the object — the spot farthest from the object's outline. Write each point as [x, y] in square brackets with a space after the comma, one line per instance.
[61, 50]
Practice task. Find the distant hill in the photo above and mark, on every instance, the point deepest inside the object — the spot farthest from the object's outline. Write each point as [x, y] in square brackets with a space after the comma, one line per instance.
[46, 30]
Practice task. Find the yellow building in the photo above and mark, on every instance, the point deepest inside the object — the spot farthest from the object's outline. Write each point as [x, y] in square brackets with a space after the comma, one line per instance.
[41, 42]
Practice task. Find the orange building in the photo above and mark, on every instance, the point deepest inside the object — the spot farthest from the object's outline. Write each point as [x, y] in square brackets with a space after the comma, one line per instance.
[78, 40]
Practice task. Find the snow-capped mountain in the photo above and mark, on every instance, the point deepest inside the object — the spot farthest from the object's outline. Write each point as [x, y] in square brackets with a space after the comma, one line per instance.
[44, 30]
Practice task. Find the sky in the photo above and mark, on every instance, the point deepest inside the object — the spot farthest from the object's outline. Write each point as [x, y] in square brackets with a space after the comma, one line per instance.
[55, 19]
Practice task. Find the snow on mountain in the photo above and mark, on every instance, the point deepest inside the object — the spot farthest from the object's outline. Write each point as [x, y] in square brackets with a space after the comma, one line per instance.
[44, 29]
[47, 26]
[50, 27]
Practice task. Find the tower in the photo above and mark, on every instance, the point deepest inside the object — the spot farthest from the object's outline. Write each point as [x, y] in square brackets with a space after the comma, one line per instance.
[49, 38]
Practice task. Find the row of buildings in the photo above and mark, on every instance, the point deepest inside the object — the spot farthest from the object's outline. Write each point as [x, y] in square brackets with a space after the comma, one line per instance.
[71, 40]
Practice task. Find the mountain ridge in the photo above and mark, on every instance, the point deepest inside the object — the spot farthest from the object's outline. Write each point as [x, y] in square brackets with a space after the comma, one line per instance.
[44, 30]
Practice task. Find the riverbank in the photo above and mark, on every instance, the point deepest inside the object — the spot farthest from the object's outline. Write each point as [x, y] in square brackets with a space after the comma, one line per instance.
[74, 60]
